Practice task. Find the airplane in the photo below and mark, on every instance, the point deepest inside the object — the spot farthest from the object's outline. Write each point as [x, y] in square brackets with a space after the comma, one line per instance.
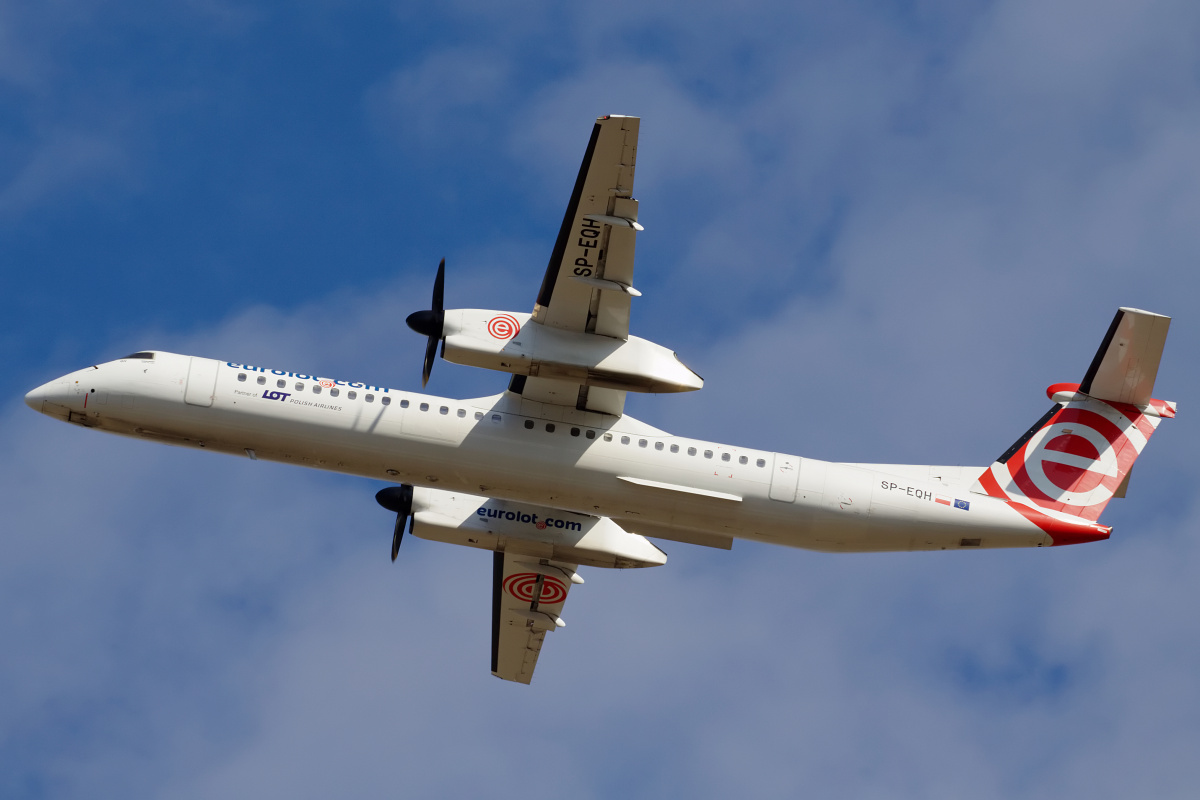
[551, 475]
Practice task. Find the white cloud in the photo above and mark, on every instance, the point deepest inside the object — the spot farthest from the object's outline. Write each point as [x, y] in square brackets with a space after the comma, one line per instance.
[452, 96]
[62, 160]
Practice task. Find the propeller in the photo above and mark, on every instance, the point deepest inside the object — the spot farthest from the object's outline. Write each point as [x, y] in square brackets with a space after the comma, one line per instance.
[430, 323]
[397, 499]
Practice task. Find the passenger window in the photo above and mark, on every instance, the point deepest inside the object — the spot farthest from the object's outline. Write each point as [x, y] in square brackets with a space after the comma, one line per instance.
[299, 386]
[549, 427]
[496, 418]
[762, 462]
[370, 398]
[424, 406]
[624, 440]
[462, 412]
[261, 380]
[334, 392]
[724, 456]
[674, 448]
[316, 389]
[608, 437]
[529, 424]
[387, 401]
[478, 415]
[743, 460]
[590, 434]
[642, 443]
[444, 410]
[691, 451]
[242, 377]
[351, 394]
[574, 431]
[279, 384]
[658, 445]
[403, 402]
[708, 453]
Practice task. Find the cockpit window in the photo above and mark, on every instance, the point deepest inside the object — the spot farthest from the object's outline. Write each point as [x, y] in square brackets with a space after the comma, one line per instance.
[146, 354]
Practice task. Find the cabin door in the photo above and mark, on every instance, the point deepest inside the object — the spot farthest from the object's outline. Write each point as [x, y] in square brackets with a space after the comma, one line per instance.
[784, 474]
[201, 382]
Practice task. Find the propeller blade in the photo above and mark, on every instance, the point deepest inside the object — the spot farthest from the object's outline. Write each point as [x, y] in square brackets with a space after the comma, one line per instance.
[439, 285]
[430, 353]
[397, 499]
[397, 535]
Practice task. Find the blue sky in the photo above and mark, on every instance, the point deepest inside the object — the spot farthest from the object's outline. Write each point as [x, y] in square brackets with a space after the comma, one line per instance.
[878, 230]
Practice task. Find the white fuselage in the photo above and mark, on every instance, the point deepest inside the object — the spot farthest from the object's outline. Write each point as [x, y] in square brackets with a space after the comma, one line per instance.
[508, 448]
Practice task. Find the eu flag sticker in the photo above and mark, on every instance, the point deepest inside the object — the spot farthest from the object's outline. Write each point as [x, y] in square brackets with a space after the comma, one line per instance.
[963, 504]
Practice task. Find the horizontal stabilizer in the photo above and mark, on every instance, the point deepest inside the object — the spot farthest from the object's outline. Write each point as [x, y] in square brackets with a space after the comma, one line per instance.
[1126, 364]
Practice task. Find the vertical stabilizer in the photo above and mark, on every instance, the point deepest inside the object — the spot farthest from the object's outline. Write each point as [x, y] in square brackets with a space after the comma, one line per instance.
[1078, 456]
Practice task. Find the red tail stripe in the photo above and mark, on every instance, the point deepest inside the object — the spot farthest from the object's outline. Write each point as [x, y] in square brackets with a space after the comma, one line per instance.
[988, 481]
[1074, 445]
[1106, 428]
[1124, 452]
[1060, 532]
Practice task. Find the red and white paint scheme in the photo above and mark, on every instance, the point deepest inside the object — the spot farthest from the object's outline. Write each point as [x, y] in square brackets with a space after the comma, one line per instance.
[551, 475]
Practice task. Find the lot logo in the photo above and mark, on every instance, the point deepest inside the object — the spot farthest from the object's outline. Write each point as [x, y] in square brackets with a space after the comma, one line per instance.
[503, 326]
[280, 396]
[327, 384]
[522, 586]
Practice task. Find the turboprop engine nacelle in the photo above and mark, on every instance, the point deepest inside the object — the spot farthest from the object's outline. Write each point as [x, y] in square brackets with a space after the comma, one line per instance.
[535, 531]
[510, 342]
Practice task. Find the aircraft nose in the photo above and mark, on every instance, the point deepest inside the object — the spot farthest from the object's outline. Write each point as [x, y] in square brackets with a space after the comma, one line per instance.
[50, 398]
[36, 398]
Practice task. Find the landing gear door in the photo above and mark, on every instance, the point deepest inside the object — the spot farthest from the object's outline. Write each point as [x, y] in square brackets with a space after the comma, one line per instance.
[201, 382]
[784, 474]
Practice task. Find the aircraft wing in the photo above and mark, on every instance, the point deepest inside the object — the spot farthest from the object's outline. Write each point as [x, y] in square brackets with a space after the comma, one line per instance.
[588, 284]
[527, 598]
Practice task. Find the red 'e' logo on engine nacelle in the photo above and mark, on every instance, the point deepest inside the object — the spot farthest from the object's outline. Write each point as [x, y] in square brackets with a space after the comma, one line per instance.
[503, 326]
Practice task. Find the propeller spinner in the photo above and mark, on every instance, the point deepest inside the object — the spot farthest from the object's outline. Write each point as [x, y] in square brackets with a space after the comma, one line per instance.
[430, 323]
[397, 499]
